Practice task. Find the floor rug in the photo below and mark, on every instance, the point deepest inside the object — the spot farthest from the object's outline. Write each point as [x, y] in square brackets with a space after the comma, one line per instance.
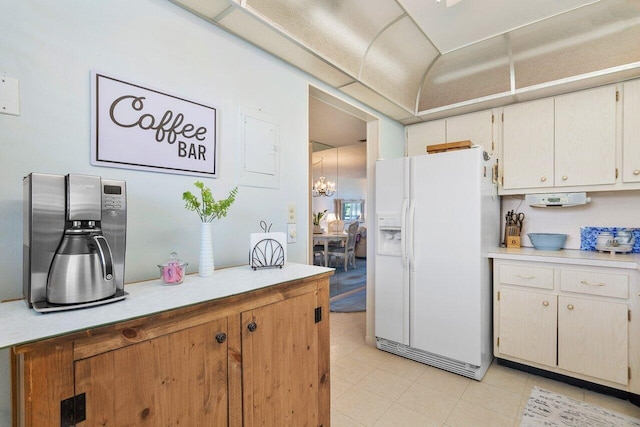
[346, 281]
[546, 408]
[356, 301]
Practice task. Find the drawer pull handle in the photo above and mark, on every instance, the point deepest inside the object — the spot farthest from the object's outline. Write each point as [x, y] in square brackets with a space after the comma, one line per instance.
[252, 326]
[584, 282]
[636, 171]
[525, 277]
[570, 307]
[545, 303]
[543, 179]
[565, 177]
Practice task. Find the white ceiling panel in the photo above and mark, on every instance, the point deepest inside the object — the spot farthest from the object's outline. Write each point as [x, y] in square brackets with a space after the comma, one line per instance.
[421, 59]
[604, 35]
[370, 97]
[397, 65]
[260, 34]
[338, 30]
[331, 126]
[469, 21]
[474, 72]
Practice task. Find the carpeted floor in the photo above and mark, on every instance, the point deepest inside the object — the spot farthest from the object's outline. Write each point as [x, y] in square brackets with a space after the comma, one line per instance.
[351, 302]
[546, 408]
[347, 289]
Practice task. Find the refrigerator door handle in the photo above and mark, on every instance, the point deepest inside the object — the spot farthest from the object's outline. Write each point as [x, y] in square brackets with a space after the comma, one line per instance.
[403, 232]
[411, 232]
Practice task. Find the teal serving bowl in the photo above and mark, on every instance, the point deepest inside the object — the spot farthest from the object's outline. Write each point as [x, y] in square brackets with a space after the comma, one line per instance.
[547, 241]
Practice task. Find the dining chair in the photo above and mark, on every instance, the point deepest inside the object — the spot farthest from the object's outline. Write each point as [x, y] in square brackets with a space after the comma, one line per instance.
[318, 251]
[347, 252]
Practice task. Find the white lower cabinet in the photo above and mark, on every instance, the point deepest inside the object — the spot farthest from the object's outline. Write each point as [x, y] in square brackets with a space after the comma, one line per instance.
[593, 338]
[528, 325]
[572, 320]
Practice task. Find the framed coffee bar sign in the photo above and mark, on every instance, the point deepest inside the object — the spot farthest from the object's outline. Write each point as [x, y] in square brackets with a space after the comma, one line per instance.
[134, 127]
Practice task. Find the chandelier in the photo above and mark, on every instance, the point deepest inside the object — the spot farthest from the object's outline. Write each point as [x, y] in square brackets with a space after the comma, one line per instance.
[322, 187]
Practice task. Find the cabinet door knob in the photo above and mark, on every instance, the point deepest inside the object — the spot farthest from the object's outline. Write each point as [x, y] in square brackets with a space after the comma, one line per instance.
[570, 306]
[565, 177]
[252, 326]
[636, 171]
[221, 337]
[543, 179]
[545, 303]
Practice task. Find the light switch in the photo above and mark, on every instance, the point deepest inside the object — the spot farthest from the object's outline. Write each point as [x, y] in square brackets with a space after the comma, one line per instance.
[9, 96]
[291, 213]
[292, 233]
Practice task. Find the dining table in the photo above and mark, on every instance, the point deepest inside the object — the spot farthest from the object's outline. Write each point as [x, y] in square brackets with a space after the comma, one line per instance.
[325, 238]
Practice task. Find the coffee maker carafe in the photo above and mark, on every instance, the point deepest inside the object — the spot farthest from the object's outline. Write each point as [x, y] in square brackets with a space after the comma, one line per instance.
[75, 230]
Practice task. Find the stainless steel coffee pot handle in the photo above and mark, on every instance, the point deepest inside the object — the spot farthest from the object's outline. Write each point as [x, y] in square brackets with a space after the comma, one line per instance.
[105, 256]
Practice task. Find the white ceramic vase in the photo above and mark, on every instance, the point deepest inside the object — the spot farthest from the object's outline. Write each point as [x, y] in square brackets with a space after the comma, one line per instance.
[206, 250]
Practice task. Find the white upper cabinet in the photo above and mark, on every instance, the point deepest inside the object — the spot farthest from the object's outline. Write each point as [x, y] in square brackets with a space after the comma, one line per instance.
[568, 142]
[585, 137]
[476, 127]
[528, 145]
[423, 134]
[631, 132]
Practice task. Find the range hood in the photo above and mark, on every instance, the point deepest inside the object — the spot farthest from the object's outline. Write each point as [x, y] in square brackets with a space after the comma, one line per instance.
[389, 56]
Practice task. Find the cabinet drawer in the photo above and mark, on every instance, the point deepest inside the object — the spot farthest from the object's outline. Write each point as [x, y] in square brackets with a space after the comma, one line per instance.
[535, 277]
[592, 283]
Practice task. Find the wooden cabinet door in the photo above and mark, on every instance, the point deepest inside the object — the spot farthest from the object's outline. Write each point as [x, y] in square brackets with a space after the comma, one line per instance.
[527, 325]
[476, 127]
[280, 363]
[593, 338]
[179, 379]
[585, 137]
[631, 132]
[423, 134]
[527, 145]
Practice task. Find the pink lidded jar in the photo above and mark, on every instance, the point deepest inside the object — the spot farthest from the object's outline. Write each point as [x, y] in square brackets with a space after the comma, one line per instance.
[173, 270]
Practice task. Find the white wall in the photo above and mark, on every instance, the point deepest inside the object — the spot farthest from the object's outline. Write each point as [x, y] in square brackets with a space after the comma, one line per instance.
[51, 47]
[613, 209]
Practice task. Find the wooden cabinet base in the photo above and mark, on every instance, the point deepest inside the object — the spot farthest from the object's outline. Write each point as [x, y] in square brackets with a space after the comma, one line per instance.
[256, 358]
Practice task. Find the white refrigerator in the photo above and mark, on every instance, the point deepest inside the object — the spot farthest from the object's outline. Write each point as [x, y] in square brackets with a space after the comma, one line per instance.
[437, 215]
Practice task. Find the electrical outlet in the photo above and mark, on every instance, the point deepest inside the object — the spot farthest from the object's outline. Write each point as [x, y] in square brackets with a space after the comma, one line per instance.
[291, 213]
[292, 233]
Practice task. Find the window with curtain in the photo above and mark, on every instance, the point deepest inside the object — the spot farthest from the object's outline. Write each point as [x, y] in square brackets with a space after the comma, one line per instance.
[350, 209]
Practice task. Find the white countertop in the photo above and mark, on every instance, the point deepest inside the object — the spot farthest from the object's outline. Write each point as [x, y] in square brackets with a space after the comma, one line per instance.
[21, 324]
[569, 256]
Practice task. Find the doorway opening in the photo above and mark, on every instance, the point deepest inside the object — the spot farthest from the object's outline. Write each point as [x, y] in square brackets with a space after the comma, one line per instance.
[339, 194]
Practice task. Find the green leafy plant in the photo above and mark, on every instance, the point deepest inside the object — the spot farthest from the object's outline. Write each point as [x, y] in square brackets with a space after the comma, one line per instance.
[207, 207]
[317, 217]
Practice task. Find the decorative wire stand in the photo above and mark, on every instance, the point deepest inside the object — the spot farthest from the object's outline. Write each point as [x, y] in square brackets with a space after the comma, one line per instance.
[267, 253]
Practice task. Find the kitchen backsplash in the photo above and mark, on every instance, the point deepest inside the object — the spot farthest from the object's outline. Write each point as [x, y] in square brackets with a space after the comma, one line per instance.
[607, 209]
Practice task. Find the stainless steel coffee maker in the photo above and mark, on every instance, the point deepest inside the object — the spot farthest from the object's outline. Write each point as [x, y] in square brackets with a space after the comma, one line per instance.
[74, 241]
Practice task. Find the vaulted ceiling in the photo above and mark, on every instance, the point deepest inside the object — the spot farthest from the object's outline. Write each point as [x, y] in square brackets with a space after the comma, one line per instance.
[417, 60]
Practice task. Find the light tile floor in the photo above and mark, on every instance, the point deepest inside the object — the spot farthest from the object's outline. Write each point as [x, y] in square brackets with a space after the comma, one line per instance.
[372, 388]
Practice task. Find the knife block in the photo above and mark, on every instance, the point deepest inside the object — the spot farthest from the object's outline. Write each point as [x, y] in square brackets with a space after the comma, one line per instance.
[513, 241]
